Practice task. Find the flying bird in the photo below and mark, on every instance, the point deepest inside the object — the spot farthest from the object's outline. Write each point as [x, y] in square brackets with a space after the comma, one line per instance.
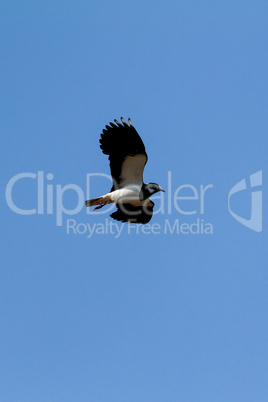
[127, 156]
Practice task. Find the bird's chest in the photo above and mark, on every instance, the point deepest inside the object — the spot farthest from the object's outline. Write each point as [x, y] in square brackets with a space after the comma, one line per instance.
[126, 194]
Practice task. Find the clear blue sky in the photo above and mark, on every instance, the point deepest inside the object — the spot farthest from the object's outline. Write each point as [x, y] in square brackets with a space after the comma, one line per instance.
[144, 316]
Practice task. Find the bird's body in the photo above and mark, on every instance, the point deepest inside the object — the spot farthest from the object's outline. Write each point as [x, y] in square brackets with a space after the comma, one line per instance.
[126, 194]
[127, 157]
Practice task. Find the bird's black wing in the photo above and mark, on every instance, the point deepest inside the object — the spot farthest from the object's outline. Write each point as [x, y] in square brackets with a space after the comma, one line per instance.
[133, 214]
[126, 152]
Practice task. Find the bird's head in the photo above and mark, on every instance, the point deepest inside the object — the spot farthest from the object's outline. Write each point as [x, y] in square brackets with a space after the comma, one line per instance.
[148, 189]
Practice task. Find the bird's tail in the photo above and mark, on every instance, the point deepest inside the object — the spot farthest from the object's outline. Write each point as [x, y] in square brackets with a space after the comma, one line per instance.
[94, 201]
[100, 202]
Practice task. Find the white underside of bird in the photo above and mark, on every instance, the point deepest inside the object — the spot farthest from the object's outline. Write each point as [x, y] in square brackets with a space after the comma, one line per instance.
[126, 194]
[129, 195]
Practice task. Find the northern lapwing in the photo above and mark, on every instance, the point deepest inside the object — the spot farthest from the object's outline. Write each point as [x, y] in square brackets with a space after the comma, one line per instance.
[127, 158]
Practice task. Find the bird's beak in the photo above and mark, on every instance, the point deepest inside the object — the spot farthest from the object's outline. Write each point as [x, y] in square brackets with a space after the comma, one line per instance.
[162, 190]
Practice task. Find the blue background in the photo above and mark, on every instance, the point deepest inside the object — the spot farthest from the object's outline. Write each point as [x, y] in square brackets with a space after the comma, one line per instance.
[168, 317]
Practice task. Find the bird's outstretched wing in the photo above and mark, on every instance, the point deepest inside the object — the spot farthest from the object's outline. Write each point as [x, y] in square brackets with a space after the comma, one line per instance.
[133, 214]
[126, 152]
